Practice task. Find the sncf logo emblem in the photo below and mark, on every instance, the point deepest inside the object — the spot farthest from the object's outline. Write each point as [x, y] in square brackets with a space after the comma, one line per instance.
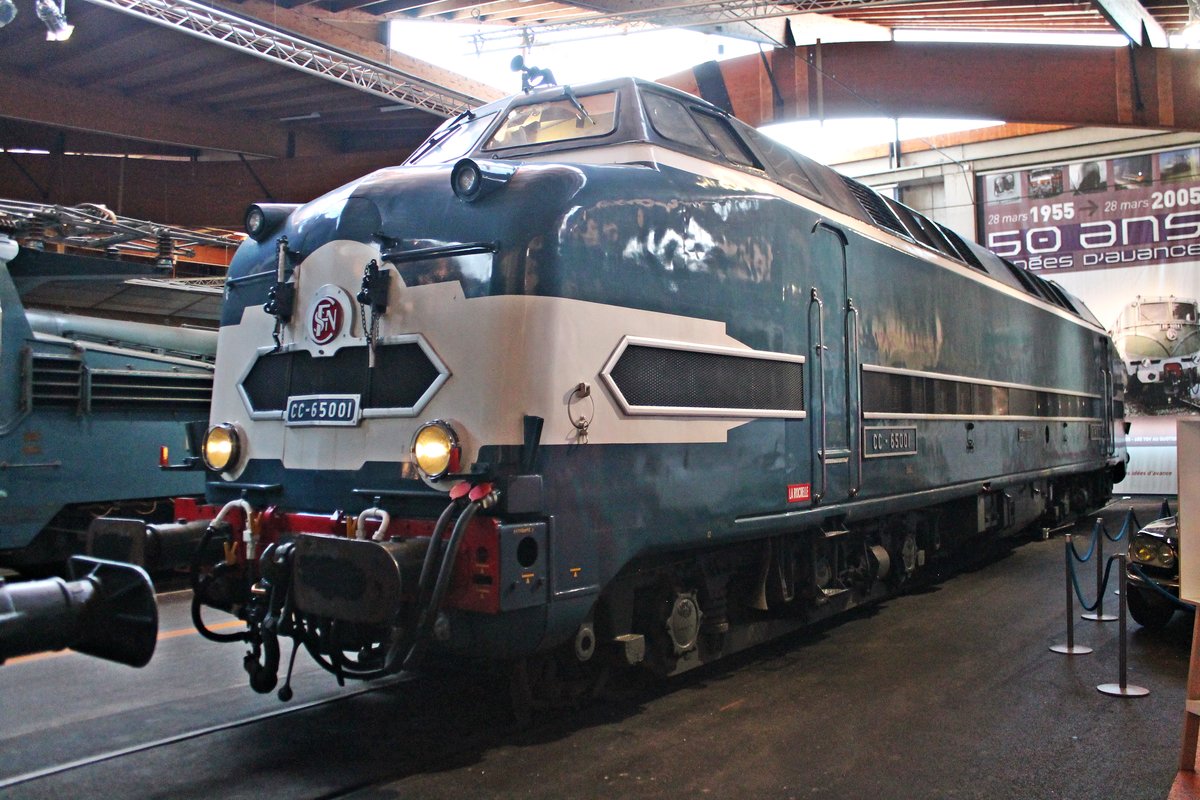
[799, 492]
[328, 316]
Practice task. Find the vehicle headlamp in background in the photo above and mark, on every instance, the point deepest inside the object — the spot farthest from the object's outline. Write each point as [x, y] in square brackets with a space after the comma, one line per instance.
[473, 179]
[222, 447]
[1152, 551]
[263, 219]
[435, 449]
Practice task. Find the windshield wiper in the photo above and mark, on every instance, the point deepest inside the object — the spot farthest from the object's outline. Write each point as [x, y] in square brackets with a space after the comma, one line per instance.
[582, 112]
[436, 139]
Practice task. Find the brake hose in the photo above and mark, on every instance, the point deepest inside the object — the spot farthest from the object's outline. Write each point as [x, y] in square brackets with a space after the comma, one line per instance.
[481, 494]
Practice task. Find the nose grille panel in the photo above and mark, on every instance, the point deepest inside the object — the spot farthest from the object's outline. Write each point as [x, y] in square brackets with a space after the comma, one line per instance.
[403, 375]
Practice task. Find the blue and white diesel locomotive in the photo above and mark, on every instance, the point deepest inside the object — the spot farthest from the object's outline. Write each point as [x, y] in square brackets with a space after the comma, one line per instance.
[602, 373]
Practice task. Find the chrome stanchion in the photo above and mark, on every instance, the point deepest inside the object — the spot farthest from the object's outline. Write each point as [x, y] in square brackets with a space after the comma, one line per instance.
[1070, 648]
[1098, 615]
[1122, 687]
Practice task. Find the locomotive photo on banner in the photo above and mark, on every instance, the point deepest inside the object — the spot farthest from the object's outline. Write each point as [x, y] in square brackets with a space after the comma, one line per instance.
[1132, 210]
[1122, 234]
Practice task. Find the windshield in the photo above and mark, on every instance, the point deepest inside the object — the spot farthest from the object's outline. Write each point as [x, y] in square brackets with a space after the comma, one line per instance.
[1167, 312]
[453, 141]
[556, 121]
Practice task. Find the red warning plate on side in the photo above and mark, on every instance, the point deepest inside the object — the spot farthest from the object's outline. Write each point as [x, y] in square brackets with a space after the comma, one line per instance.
[799, 492]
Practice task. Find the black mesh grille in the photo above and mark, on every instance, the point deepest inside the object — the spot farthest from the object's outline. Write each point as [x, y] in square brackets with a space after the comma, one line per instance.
[402, 374]
[873, 204]
[900, 395]
[267, 383]
[661, 377]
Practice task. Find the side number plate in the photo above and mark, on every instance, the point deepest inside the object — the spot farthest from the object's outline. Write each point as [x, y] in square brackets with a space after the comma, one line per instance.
[323, 409]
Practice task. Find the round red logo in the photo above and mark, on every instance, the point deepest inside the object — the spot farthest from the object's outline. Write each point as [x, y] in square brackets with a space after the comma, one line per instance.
[327, 318]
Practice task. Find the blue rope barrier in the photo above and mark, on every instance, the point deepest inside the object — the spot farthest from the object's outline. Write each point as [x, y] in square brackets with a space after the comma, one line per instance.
[1091, 547]
[1100, 589]
[1136, 570]
[1130, 516]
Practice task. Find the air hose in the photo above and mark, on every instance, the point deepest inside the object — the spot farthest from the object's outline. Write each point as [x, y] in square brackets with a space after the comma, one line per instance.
[480, 496]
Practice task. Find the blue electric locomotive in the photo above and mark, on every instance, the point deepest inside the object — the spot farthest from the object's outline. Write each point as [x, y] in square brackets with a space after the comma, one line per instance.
[604, 373]
[85, 405]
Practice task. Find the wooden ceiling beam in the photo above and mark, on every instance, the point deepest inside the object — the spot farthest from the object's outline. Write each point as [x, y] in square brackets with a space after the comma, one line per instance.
[463, 9]
[34, 100]
[287, 102]
[157, 70]
[1146, 88]
[1131, 18]
[212, 81]
[194, 194]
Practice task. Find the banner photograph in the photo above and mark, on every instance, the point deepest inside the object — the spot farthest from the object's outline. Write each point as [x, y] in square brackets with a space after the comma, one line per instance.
[1133, 210]
[1137, 218]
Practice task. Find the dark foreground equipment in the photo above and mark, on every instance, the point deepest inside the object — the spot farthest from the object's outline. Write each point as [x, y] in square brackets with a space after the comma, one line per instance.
[106, 609]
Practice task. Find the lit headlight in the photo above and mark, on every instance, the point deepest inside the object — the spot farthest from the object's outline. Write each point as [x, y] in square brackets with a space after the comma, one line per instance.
[435, 449]
[222, 447]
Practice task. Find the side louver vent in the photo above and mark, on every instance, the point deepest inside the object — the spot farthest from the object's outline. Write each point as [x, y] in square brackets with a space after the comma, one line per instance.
[56, 381]
[64, 382]
[873, 204]
[128, 389]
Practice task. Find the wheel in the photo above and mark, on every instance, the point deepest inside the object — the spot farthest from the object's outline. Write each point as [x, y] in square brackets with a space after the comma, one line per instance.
[1149, 609]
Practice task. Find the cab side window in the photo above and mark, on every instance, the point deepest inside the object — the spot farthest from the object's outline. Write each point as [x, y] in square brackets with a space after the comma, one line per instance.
[697, 129]
[671, 121]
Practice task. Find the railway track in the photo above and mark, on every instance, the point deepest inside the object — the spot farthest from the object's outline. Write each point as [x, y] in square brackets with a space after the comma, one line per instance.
[83, 763]
[326, 748]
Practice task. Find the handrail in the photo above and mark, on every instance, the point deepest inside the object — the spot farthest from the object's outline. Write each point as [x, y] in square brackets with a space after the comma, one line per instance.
[853, 438]
[819, 348]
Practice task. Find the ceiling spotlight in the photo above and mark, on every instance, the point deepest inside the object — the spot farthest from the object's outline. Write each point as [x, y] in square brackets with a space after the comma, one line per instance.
[8, 12]
[54, 16]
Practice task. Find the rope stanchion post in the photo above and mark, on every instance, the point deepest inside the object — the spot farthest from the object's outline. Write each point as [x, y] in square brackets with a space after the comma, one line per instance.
[1099, 534]
[1070, 648]
[1122, 687]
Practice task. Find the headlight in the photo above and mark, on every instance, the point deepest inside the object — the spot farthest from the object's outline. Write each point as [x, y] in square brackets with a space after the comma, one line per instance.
[472, 179]
[435, 449]
[465, 179]
[255, 221]
[1153, 552]
[1143, 551]
[222, 447]
[263, 219]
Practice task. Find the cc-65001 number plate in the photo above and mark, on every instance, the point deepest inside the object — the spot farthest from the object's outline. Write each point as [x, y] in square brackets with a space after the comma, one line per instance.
[322, 409]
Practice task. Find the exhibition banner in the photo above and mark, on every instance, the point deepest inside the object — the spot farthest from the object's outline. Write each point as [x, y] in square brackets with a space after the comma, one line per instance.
[1137, 218]
[1096, 214]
